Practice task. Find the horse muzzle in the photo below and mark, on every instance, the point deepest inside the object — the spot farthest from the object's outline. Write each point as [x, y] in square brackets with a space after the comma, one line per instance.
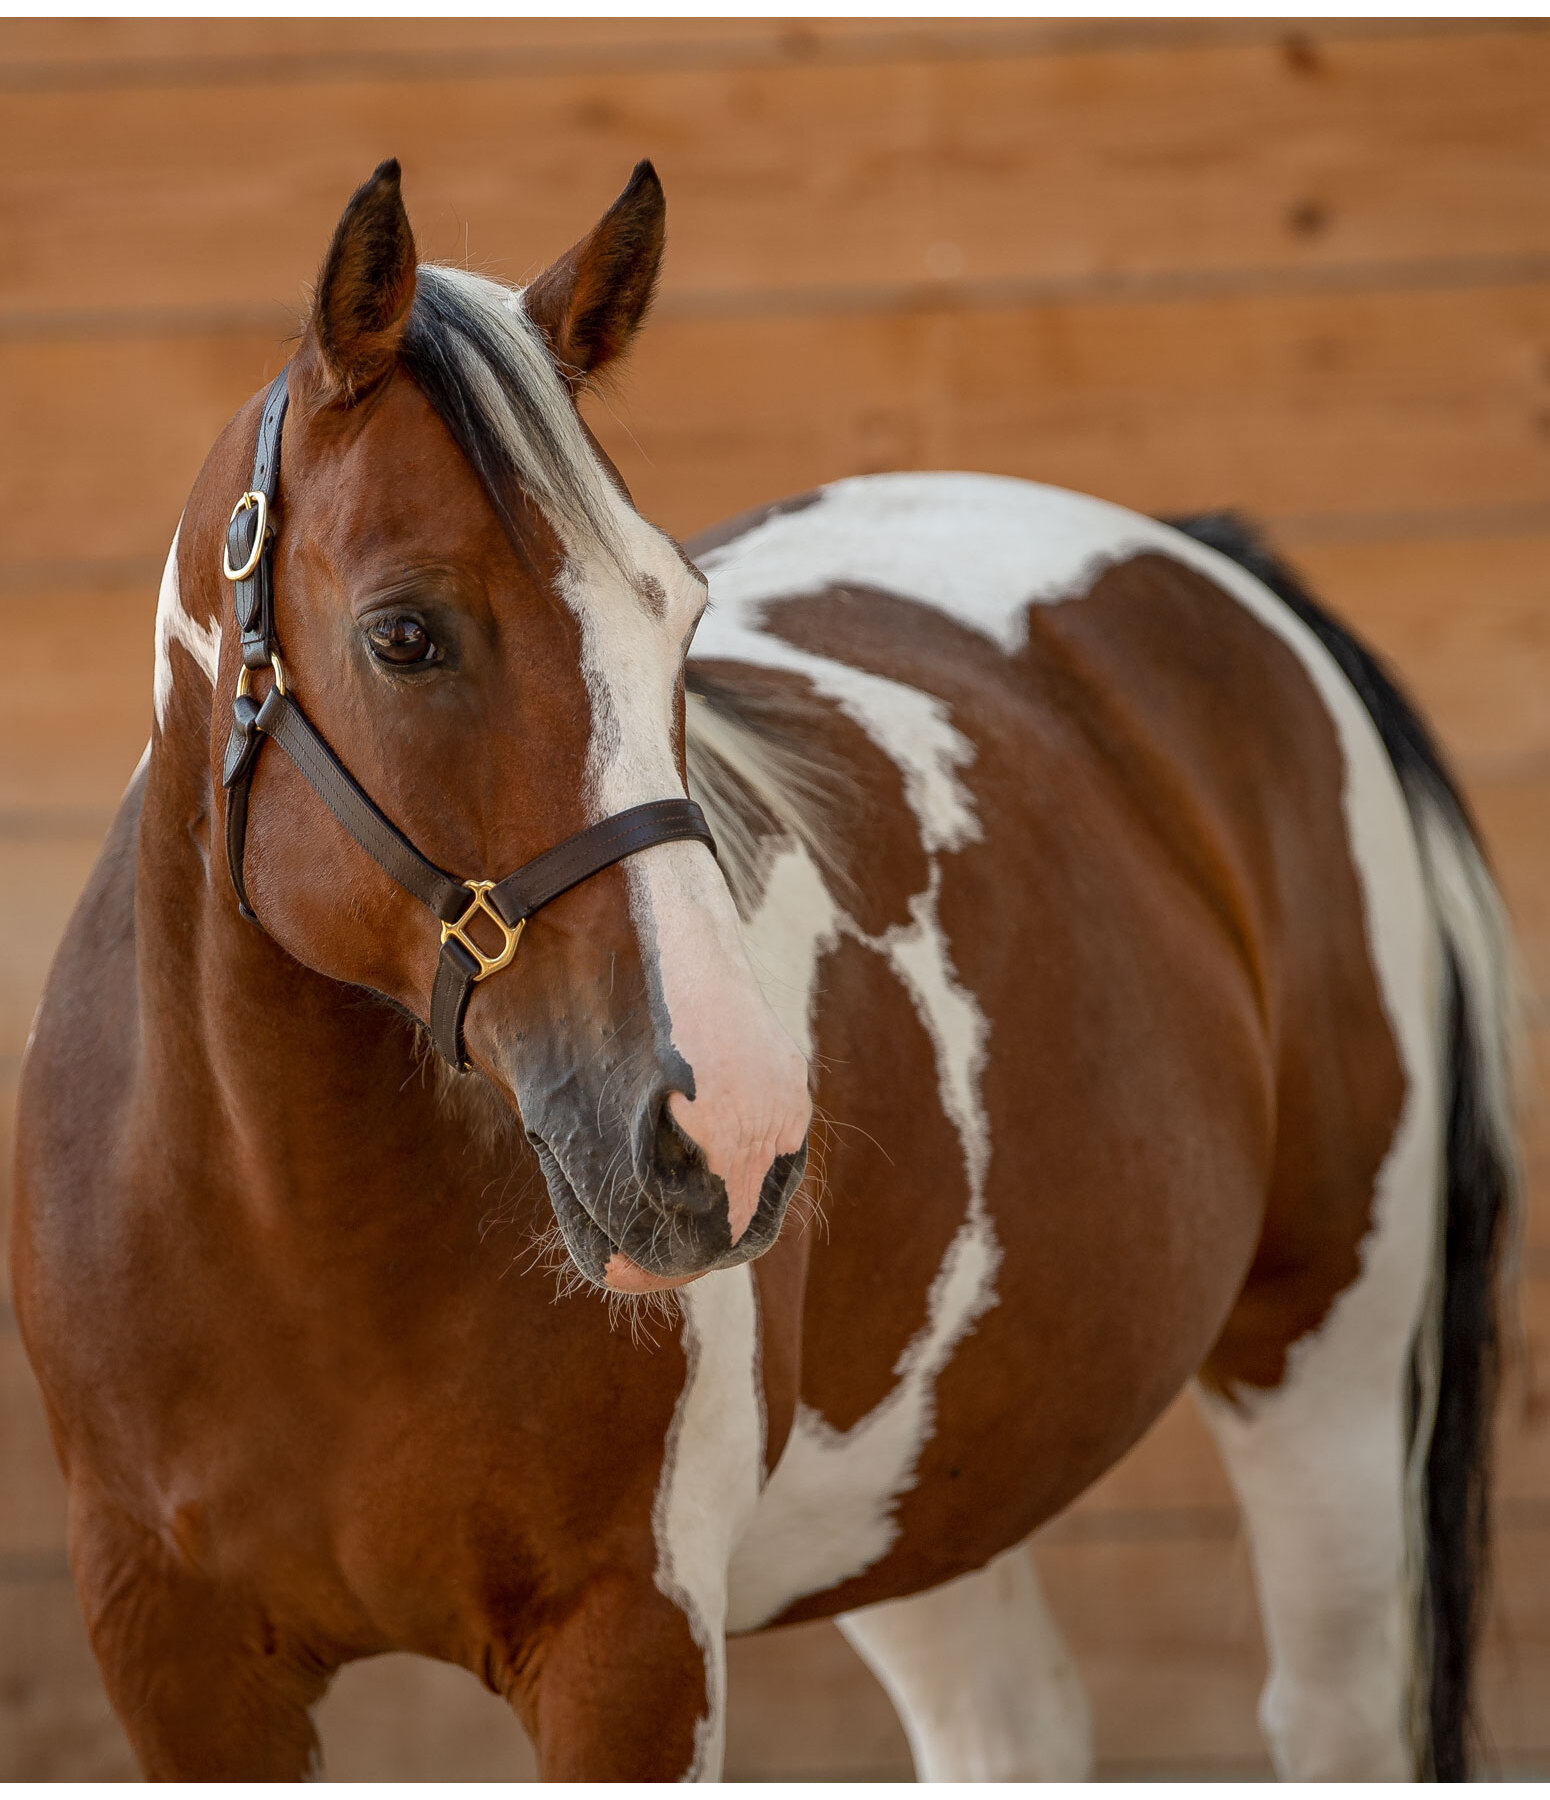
[653, 1215]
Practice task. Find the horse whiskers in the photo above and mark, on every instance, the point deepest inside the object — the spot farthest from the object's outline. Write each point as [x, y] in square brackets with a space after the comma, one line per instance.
[641, 1313]
[833, 1124]
[811, 1197]
[508, 1206]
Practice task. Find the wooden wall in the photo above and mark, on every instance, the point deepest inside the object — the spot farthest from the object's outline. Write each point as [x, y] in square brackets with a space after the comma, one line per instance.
[1303, 270]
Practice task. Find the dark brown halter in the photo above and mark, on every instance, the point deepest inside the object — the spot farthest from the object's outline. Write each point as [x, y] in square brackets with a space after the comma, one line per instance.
[507, 904]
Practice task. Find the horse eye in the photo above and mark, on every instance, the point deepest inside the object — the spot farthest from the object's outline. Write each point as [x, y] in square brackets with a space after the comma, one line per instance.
[400, 641]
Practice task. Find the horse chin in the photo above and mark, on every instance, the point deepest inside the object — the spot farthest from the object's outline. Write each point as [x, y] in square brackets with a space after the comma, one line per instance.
[623, 1276]
[607, 1264]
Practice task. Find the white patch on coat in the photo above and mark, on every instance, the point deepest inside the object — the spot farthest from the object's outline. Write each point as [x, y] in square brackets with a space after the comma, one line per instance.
[914, 728]
[709, 1484]
[173, 625]
[828, 1510]
[978, 547]
[983, 1685]
[794, 928]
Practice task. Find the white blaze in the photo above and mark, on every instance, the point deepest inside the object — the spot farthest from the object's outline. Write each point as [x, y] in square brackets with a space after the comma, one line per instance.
[750, 1102]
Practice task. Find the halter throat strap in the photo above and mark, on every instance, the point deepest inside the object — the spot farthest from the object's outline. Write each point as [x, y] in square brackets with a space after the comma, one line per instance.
[504, 906]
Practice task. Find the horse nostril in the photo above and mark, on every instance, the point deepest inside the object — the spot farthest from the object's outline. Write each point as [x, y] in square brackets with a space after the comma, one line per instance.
[675, 1164]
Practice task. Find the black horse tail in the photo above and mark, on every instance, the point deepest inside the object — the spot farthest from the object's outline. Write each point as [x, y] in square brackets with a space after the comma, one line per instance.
[1455, 1362]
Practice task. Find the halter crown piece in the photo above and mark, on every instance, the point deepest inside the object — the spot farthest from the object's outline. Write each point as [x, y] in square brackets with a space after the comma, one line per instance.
[506, 905]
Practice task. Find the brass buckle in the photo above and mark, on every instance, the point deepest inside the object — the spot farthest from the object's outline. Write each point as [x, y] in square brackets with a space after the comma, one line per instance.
[488, 965]
[245, 674]
[261, 501]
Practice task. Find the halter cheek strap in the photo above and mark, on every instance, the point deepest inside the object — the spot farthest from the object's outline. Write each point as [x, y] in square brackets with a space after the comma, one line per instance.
[504, 906]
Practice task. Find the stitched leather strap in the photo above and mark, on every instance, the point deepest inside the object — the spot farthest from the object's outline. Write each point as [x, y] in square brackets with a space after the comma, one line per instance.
[283, 720]
[253, 597]
[456, 974]
[554, 872]
[517, 898]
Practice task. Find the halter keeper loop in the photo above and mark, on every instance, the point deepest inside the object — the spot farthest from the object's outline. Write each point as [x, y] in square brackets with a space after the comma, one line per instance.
[253, 497]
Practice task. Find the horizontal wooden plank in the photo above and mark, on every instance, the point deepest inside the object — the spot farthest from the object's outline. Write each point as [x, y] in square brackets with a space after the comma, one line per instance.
[818, 178]
[75, 692]
[1523, 1434]
[1511, 809]
[1301, 406]
[165, 401]
[1284, 406]
[257, 50]
[39, 882]
[1166, 1636]
[55, 1721]
[1467, 621]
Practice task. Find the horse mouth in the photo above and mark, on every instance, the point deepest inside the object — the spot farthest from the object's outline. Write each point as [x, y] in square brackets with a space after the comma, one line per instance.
[647, 1251]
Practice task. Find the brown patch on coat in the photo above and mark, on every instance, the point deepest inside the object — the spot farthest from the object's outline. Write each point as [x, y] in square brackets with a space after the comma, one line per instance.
[1191, 1082]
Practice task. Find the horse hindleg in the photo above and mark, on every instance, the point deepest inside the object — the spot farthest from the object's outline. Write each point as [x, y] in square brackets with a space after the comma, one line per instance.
[1319, 1466]
[200, 1679]
[984, 1687]
[1320, 1477]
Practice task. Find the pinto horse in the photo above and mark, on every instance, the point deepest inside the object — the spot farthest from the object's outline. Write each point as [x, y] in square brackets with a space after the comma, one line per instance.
[1096, 894]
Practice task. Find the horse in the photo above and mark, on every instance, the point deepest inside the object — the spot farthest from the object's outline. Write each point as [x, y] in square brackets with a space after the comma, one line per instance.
[978, 961]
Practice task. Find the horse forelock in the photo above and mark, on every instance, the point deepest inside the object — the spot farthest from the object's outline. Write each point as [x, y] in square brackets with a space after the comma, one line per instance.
[489, 374]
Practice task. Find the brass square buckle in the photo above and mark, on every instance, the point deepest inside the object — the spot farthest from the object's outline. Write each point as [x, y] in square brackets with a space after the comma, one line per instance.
[488, 965]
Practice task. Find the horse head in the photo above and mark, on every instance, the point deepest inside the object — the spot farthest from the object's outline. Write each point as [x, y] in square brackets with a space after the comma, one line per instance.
[492, 640]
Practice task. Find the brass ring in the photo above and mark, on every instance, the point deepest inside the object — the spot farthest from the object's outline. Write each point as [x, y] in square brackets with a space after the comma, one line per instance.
[245, 675]
[252, 498]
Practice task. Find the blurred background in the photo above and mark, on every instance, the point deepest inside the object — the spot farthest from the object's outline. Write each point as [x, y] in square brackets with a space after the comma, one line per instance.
[1297, 268]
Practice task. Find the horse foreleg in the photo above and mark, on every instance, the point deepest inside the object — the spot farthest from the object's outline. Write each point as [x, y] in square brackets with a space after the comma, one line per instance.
[621, 1690]
[207, 1685]
[983, 1684]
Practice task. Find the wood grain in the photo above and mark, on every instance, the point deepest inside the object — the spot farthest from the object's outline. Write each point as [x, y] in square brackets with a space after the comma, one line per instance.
[1290, 406]
[819, 183]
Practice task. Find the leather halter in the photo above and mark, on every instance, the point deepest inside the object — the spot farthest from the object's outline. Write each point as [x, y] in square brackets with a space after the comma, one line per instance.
[508, 904]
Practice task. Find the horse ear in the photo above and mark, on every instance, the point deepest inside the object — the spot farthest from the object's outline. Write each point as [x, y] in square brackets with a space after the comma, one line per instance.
[365, 286]
[590, 304]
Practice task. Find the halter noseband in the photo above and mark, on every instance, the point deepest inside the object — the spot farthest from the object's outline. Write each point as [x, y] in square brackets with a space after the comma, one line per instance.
[248, 564]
